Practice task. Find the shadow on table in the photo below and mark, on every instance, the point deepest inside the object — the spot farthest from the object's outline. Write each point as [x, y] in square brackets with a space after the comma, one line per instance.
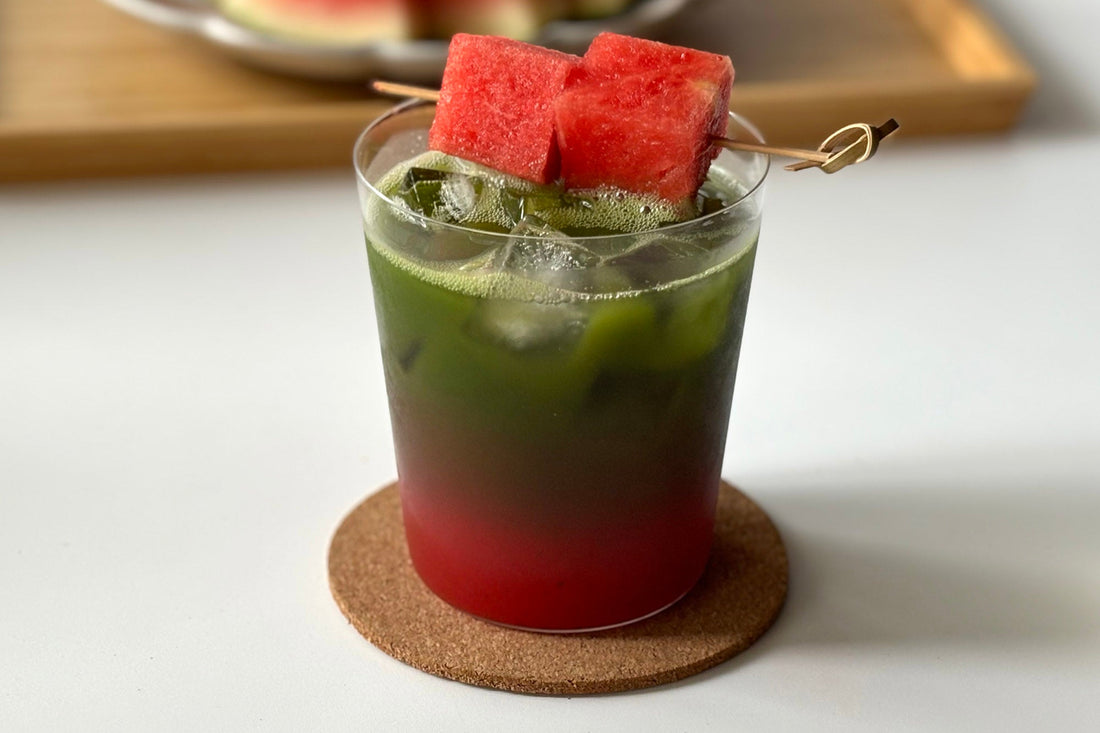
[981, 562]
[946, 575]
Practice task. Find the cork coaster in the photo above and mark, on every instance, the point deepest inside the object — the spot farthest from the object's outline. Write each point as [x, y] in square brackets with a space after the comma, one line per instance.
[737, 599]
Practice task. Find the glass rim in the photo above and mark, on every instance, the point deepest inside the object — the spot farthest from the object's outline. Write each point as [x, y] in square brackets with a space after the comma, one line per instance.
[401, 107]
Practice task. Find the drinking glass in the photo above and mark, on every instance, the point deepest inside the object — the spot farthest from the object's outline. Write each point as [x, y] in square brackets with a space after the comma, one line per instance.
[559, 404]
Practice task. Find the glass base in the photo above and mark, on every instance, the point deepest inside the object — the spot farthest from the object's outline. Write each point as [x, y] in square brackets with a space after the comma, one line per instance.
[592, 630]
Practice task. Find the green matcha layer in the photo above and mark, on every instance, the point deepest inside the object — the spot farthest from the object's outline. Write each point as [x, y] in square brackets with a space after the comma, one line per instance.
[474, 319]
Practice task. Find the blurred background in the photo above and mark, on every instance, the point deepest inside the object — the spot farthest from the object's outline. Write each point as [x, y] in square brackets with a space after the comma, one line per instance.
[107, 87]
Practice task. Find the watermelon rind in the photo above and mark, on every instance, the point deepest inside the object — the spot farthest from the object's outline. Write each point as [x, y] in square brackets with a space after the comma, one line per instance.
[378, 21]
[519, 19]
[598, 8]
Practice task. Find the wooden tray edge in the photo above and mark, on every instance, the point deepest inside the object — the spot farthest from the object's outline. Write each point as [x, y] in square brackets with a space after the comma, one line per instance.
[992, 85]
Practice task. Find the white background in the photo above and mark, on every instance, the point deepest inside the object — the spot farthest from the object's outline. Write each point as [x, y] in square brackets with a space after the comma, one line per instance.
[191, 398]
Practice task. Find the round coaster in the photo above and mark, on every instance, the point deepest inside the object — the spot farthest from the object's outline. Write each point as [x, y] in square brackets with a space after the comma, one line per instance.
[737, 599]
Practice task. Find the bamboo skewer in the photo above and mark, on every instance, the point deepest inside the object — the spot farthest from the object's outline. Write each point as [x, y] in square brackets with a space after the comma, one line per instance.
[405, 90]
[810, 155]
[847, 146]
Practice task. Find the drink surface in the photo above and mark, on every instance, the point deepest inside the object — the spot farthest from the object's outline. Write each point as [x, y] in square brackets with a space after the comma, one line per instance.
[559, 394]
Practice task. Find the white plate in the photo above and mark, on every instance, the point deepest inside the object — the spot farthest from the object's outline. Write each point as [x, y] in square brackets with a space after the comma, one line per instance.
[414, 61]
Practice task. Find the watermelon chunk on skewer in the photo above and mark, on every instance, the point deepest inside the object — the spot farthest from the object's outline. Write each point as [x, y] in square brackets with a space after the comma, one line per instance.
[612, 55]
[496, 105]
[647, 133]
[632, 114]
[642, 116]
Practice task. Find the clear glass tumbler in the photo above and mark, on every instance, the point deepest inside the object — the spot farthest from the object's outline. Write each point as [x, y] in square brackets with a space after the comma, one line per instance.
[559, 405]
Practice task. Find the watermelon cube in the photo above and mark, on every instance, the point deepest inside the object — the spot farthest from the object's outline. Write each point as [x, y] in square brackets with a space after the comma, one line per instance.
[647, 133]
[614, 55]
[641, 116]
[496, 105]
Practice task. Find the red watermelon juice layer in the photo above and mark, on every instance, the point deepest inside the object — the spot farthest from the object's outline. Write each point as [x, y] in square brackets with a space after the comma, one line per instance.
[559, 406]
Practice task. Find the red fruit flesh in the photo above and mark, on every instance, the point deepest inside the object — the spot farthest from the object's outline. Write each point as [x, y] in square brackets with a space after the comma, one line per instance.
[641, 116]
[496, 105]
[611, 56]
[646, 133]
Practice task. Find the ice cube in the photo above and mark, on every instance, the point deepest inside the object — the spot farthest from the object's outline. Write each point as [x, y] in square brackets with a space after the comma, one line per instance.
[526, 325]
[547, 203]
[458, 195]
[536, 246]
[574, 213]
[596, 213]
[537, 252]
[660, 259]
[441, 195]
[658, 248]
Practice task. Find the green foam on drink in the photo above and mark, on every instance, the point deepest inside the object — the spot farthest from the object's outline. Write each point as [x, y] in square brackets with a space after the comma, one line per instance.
[456, 191]
[472, 230]
[496, 309]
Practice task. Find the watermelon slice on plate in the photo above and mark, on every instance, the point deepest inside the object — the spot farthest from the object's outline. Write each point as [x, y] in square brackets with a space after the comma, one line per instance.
[327, 21]
[512, 18]
[598, 8]
[496, 105]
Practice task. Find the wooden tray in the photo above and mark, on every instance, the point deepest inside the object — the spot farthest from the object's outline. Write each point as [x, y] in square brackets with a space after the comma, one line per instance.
[86, 90]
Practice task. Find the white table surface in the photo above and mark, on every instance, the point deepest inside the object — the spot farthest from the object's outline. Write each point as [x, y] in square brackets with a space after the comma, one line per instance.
[191, 398]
